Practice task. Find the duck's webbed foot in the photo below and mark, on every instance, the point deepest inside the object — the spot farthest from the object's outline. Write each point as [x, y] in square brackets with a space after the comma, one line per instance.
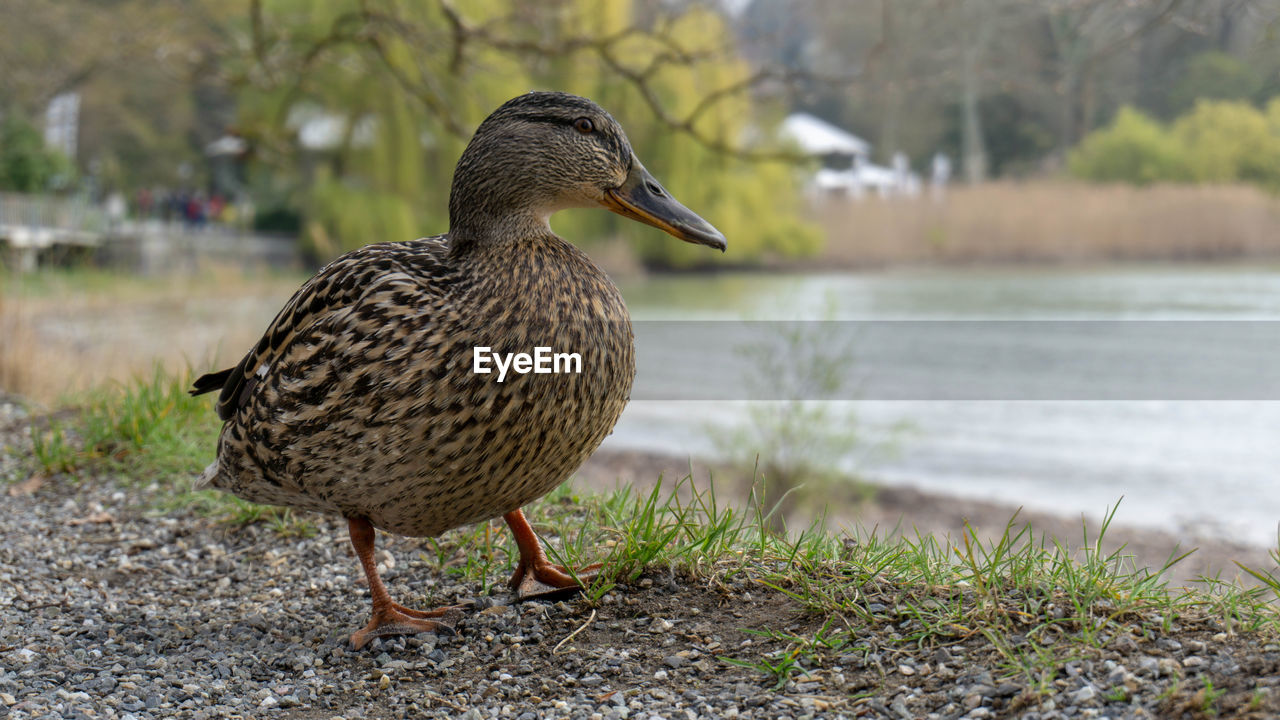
[396, 619]
[535, 576]
[390, 617]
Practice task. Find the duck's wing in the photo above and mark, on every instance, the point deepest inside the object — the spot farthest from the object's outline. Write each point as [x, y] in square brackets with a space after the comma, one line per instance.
[336, 287]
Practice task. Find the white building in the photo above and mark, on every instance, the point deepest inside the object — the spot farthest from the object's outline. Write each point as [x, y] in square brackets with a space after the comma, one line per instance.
[846, 161]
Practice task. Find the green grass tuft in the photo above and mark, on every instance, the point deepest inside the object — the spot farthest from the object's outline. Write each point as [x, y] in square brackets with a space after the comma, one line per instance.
[52, 449]
[150, 428]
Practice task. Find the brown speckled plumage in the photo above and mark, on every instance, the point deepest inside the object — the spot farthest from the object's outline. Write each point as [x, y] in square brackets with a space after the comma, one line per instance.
[369, 407]
[360, 398]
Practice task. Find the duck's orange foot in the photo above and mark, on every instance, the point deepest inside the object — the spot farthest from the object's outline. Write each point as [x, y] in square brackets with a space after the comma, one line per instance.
[535, 576]
[544, 580]
[397, 619]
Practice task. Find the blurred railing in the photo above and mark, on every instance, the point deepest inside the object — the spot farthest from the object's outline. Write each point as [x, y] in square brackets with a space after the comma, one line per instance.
[41, 221]
[39, 230]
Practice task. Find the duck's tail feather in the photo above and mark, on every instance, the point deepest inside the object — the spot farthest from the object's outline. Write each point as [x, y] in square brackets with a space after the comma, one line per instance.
[211, 381]
[206, 478]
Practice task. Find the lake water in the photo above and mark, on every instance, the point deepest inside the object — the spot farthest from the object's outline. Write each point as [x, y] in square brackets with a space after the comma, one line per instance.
[1209, 467]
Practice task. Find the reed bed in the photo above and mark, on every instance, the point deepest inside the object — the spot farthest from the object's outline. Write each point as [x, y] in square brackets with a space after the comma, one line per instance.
[1052, 223]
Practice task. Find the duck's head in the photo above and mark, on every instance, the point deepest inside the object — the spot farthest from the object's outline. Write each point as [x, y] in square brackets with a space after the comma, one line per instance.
[547, 151]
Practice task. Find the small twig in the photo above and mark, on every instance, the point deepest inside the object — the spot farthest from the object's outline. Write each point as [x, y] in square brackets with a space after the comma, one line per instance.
[556, 649]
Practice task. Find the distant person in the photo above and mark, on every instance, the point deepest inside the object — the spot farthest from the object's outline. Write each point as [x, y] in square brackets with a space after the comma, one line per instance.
[195, 210]
[168, 205]
[143, 203]
[216, 206]
[177, 206]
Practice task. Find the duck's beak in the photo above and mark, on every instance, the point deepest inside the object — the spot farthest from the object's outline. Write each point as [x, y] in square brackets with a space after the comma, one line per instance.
[640, 197]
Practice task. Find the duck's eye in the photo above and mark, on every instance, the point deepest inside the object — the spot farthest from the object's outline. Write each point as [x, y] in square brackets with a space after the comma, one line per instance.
[584, 125]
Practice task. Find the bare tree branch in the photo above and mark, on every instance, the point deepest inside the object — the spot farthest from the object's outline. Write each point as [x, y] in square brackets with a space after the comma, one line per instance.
[373, 29]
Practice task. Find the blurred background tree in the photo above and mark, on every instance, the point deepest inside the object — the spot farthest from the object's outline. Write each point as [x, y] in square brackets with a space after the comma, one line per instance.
[1133, 149]
[351, 113]
[26, 165]
[1217, 142]
[146, 74]
[992, 81]
[399, 88]
[1214, 75]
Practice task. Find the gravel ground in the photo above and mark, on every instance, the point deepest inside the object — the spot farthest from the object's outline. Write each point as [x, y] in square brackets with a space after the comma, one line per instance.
[110, 609]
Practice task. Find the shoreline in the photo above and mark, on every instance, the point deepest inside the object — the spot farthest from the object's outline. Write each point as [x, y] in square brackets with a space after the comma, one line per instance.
[905, 510]
[1028, 224]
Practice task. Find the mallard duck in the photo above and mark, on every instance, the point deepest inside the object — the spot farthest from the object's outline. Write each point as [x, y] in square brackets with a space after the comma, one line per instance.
[366, 396]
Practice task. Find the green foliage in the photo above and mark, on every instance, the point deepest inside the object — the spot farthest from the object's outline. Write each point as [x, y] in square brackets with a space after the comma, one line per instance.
[1038, 602]
[1270, 580]
[756, 205]
[1273, 116]
[388, 178]
[150, 426]
[146, 74]
[1213, 76]
[1229, 142]
[1133, 149]
[1209, 697]
[340, 213]
[52, 449]
[26, 165]
[1217, 142]
[1015, 134]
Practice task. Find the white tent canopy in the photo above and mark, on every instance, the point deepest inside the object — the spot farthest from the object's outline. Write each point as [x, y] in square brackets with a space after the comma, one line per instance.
[819, 137]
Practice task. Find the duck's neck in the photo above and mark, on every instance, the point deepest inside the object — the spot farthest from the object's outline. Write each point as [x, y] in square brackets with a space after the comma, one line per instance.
[475, 229]
[495, 196]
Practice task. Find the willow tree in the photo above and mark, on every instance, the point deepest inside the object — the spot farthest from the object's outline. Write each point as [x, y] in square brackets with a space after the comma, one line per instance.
[684, 70]
[323, 96]
[408, 82]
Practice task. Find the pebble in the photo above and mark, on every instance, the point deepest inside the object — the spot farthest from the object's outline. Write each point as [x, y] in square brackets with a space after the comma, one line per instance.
[1083, 695]
[660, 625]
